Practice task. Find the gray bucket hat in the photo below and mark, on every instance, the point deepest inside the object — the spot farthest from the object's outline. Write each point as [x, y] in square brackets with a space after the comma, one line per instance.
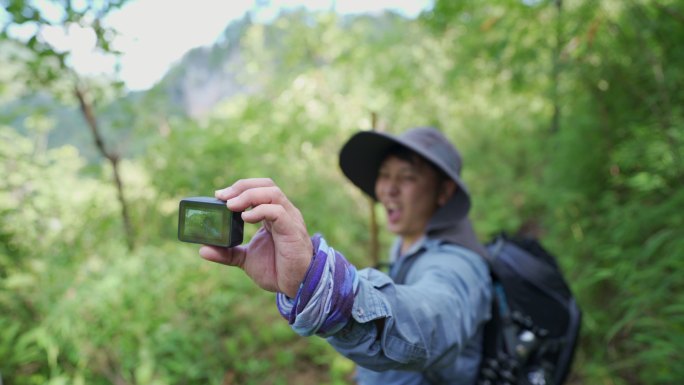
[362, 155]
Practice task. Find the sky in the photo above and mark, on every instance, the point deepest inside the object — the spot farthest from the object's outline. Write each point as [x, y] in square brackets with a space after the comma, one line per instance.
[154, 34]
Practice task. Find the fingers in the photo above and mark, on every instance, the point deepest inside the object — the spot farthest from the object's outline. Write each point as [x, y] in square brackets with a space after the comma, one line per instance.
[259, 196]
[267, 203]
[269, 212]
[233, 257]
[250, 193]
[240, 186]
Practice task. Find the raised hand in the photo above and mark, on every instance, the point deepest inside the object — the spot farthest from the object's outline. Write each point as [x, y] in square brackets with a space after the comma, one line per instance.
[279, 255]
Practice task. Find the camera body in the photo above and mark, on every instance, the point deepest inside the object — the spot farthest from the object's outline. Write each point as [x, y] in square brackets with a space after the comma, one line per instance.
[207, 220]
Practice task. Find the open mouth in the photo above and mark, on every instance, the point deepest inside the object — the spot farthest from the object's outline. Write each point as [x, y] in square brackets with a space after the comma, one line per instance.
[393, 213]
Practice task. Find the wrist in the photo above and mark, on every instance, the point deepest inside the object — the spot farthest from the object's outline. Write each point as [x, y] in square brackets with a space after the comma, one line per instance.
[323, 301]
[305, 267]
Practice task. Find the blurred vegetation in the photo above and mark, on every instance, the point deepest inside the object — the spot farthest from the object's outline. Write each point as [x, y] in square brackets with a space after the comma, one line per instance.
[568, 114]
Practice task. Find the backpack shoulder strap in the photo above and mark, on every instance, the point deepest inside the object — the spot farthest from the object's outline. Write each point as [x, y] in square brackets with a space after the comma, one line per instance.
[400, 275]
[494, 251]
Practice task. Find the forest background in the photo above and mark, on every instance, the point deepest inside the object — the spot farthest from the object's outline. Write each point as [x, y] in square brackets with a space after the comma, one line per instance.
[569, 115]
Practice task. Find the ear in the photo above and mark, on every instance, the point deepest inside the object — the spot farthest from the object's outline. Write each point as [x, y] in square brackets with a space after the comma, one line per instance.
[446, 191]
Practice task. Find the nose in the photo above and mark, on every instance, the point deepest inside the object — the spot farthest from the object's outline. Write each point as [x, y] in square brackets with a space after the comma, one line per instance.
[387, 186]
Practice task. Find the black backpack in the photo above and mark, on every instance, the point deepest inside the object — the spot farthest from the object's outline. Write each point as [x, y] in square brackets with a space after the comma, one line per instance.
[535, 323]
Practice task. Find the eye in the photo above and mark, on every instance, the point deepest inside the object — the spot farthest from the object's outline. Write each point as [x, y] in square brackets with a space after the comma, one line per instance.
[409, 177]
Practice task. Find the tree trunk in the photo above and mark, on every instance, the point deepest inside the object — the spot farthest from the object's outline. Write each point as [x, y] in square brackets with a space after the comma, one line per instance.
[374, 239]
[555, 74]
[87, 111]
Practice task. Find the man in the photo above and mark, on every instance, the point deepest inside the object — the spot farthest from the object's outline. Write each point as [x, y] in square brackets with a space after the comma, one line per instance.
[422, 323]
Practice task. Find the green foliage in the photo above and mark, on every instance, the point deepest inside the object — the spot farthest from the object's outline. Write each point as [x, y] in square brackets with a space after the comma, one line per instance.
[601, 182]
[45, 208]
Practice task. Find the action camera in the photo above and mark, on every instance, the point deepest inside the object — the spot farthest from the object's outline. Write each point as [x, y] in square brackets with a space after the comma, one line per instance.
[208, 221]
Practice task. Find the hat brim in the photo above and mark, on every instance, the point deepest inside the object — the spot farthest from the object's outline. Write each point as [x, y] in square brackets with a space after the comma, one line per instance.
[362, 155]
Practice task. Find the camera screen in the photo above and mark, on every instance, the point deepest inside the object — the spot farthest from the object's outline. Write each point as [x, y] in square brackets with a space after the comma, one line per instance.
[205, 224]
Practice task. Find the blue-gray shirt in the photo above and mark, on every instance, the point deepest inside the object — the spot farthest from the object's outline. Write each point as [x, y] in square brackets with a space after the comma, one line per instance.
[427, 330]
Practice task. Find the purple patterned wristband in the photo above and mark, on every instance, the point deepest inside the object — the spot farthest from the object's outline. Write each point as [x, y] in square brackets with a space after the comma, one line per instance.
[325, 298]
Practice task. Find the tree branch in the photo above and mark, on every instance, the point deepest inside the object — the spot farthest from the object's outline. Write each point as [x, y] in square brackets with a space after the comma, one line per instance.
[87, 111]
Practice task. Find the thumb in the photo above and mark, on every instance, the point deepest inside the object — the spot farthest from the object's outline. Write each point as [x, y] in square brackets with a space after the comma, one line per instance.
[234, 256]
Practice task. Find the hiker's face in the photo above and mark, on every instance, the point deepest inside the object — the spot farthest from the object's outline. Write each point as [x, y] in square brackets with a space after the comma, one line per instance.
[410, 193]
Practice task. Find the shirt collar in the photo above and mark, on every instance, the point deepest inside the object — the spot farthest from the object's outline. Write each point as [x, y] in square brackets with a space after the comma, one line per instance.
[395, 253]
